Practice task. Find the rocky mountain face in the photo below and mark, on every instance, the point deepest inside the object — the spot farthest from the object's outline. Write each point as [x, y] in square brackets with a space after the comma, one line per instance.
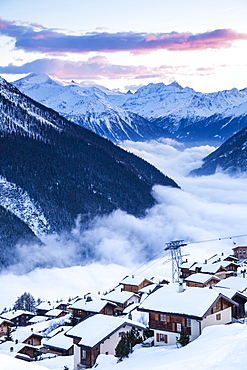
[155, 110]
[52, 170]
[230, 157]
[95, 108]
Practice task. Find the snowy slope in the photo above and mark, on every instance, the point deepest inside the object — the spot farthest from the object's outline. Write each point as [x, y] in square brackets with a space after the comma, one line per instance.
[221, 347]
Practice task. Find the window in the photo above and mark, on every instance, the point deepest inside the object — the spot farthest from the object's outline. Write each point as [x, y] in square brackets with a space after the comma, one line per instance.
[179, 327]
[161, 338]
[83, 353]
[162, 317]
[188, 323]
[218, 316]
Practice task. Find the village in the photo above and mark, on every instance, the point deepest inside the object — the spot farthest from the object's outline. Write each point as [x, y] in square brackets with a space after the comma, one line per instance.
[156, 311]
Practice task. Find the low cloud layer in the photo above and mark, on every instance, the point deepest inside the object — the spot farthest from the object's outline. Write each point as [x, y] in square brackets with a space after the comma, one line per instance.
[93, 68]
[205, 208]
[35, 38]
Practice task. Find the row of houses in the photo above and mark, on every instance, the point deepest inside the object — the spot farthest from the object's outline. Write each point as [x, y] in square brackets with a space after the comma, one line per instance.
[209, 293]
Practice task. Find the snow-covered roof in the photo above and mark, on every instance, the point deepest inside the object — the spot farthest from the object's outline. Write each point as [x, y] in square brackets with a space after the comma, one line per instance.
[44, 306]
[118, 296]
[201, 278]
[130, 308]
[91, 306]
[62, 328]
[187, 265]
[96, 328]
[193, 302]
[2, 320]
[147, 289]
[13, 314]
[233, 282]
[37, 318]
[134, 280]
[54, 313]
[211, 267]
[60, 340]
[230, 293]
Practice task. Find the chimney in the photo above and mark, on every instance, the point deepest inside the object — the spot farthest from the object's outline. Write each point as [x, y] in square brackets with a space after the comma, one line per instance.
[206, 261]
[180, 288]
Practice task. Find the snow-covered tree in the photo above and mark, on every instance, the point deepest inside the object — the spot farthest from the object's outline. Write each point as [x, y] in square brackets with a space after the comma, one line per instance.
[25, 302]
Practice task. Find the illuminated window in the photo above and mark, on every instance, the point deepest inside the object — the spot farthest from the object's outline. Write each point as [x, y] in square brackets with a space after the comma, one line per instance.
[179, 327]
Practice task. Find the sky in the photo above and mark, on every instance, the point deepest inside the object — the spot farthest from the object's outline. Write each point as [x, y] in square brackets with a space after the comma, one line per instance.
[124, 44]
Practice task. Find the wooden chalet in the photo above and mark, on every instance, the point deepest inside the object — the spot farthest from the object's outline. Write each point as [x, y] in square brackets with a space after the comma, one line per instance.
[59, 344]
[43, 307]
[5, 326]
[85, 307]
[98, 334]
[173, 311]
[201, 280]
[222, 269]
[122, 299]
[55, 313]
[238, 312]
[34, 339]
[19, 317]
[28, 352]
[240, 252]
[134, 284]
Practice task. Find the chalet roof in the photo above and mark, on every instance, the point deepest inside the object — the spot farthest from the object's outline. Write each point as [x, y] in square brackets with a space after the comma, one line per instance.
[97, 328]
[231, 293]
[240, 247]
[147, 289]
[91, 306]
[201, 278]
[60, 340]
[2, 320]
[233, 282]
[13, 314]
[192, 302]
[62, 328]
[118, 296]
[211, 267]
[134, 280]
[36, 319]
[187, 265]
[54, 312]
[44, 306]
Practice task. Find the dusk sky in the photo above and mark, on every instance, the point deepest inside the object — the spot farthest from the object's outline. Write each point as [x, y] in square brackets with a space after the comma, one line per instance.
[127, 43]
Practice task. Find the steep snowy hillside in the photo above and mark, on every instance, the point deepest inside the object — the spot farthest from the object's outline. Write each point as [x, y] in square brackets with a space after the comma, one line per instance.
[93, 107]
[230, 157]
[52, 170]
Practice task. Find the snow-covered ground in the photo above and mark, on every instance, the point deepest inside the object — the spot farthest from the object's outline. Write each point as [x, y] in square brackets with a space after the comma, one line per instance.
[219, 347]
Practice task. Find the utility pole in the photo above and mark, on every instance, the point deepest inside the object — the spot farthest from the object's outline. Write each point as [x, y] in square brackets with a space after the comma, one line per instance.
[175, 248]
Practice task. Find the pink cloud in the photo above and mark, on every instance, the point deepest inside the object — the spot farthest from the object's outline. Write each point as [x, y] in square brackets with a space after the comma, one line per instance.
[52, 41]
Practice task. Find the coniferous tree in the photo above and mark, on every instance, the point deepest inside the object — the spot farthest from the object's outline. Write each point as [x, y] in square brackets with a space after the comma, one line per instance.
[127, 342]
[25, 302]
[183, 339]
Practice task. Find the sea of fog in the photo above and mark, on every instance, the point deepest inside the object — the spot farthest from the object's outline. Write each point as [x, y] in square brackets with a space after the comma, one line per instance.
[206, 209]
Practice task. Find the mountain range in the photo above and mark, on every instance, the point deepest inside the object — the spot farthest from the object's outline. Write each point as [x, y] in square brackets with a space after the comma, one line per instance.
[52, 170]
[155, 110]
